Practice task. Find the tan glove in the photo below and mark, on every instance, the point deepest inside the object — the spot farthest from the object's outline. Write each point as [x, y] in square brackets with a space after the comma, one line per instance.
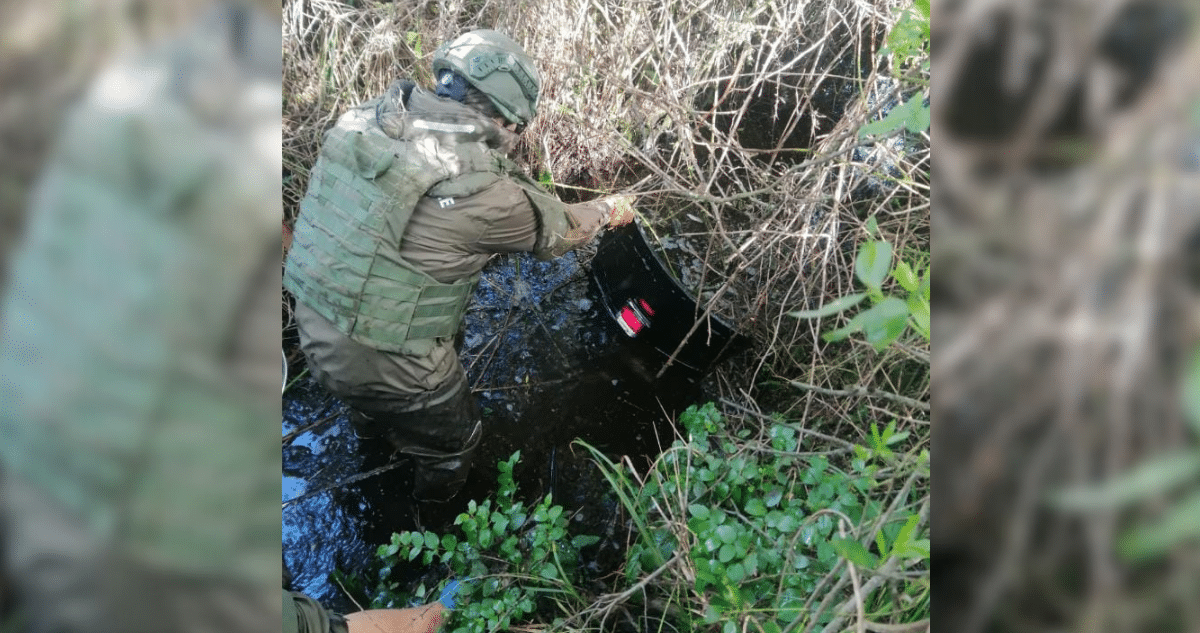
[621, 210]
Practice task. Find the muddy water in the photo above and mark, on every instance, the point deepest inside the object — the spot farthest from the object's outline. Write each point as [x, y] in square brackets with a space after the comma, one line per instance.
[548, 364]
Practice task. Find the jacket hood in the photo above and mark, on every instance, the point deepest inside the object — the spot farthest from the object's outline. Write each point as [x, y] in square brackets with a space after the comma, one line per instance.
[406, 110]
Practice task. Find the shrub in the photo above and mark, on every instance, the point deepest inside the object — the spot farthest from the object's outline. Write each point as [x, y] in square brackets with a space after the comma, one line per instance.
[741, 529]
[506, 556]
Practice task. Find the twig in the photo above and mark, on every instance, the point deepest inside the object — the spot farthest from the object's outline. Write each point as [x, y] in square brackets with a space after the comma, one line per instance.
[347, 481]
[912, 627]
[893, 414]
[613, 600]
[860, 390]
[817, 434]
[287, 439]
[874, 583]
[343, 588]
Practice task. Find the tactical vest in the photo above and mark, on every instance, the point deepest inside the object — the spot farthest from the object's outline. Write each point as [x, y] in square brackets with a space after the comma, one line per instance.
[374, 166]
[129, 287]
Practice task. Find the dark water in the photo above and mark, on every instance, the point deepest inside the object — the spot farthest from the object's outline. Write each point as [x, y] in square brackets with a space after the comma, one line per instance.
[548, 364]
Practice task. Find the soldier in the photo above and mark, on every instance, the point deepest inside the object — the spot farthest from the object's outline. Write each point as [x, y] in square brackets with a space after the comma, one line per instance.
[411, 195]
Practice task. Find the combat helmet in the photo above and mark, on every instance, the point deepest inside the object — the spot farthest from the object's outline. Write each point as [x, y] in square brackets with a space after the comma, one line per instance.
[498, 67]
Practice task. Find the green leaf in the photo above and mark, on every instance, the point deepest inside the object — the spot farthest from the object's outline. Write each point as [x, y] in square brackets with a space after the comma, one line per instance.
[903, 274]
[1191, 393]
[788, 524]
[584, 540]
[905, 546]
[1181, 525]
[1153, 477]
[517, 520]
[918, 308]
[549, 571]
[882, 323]
[885, 322]
[726, 533]
[414, 41]
[920, 119]
[825, 553]
[873, 263]
[912, 115]
[790, 609]
[699, 511]
[755, 507]
[735, 572]
[727, 552]
[833, 307]
[751, 564]
[729, 627]
[897, 438]
[906, 531]
[431, 540]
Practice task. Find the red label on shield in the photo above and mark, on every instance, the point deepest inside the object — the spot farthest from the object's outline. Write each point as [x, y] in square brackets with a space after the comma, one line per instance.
[632, 319]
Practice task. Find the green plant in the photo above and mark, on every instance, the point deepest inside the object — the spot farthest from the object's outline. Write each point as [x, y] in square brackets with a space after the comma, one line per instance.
[912, 115]
[881, 442]
[885, 321]
[512, 555]
[751, 531]
[413, 38]
[909, 38]
[907, 42]
[1163, 475]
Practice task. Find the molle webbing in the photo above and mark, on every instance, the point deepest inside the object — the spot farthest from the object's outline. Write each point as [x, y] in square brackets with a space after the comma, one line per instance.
[344, 262]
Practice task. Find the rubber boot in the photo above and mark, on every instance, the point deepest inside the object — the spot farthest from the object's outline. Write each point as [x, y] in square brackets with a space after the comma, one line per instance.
[364, 425]
[439, 476]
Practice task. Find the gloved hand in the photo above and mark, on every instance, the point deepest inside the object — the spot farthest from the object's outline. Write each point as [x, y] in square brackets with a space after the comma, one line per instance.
[449, 595]
[621, 210]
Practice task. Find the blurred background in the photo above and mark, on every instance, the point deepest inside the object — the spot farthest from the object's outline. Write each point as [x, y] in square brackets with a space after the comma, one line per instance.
[139, 354]
[1067, 322]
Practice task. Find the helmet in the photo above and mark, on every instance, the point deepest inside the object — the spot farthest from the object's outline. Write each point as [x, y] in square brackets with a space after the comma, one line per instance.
[498, 67]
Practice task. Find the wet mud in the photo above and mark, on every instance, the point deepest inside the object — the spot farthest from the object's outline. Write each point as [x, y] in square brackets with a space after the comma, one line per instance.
[549, 362]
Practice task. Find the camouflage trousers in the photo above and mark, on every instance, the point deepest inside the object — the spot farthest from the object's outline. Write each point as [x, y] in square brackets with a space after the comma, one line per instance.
[440, 439]
[302, 614]
[421, 403]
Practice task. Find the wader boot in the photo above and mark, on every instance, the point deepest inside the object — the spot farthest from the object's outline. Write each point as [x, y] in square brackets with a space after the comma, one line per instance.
[439, 476]
[365, 425]
[440, 439]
